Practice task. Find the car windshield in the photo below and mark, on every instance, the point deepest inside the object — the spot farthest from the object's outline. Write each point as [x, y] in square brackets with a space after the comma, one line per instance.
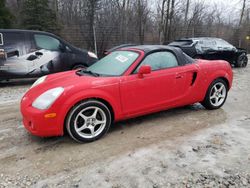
[115, 64]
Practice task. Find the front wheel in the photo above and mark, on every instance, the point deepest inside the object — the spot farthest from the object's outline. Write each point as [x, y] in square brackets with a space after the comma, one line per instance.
[242, 61]
[216, 95]
[88, 121]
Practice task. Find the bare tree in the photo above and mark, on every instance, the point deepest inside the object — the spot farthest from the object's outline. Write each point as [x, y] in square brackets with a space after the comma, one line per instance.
[242, 12]
[142, 14]
[195, 22]
[127, 21]
[187, 11]
[171, 17]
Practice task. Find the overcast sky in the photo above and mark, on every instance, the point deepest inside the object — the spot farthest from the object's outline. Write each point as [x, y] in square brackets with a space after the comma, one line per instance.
[234, 5]
[230, 8]
[226, 3]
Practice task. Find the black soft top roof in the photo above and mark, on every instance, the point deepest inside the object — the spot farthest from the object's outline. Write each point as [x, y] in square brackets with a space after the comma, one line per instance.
[120, 46]
[182, 58]
[150, 48]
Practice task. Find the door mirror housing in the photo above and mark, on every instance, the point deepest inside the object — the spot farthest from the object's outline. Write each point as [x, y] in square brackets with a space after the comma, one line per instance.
[144, 69]
[62, 47]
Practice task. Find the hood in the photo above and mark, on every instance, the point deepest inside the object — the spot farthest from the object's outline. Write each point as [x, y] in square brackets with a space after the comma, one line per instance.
[241, 50]
[69, 80]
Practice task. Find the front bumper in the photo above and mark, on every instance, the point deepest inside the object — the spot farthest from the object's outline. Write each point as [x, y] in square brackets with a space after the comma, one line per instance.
[36, 123]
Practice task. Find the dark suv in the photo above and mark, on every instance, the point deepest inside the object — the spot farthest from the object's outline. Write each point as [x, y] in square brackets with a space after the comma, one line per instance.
[26, 54]
[212, 49]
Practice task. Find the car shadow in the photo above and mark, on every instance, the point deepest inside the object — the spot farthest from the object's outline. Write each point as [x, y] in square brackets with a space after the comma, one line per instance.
[158, 116]
[196, 114]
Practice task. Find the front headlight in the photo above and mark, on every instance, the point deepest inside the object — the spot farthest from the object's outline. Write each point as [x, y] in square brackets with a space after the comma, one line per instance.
[39, 81]
[45, 100]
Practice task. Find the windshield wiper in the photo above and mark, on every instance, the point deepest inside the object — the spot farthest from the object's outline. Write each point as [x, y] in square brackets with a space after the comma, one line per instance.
[83, 71]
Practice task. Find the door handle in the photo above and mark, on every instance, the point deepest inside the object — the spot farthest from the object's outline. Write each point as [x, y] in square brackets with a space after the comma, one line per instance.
[179, 76]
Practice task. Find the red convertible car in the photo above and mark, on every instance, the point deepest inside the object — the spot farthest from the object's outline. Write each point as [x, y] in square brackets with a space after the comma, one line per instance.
[130, 82]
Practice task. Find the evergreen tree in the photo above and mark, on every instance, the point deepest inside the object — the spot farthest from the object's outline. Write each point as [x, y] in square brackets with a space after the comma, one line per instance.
[37, 15]
[6, 17]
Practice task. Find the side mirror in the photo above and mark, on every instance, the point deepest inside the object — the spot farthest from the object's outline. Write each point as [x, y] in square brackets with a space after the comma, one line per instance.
[144, 69]
[62, 47]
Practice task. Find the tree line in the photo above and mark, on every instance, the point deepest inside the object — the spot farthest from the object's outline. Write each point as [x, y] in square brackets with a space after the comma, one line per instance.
[102, 24]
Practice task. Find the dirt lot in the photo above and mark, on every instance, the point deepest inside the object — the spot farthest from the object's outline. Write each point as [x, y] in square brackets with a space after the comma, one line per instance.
[185, 147]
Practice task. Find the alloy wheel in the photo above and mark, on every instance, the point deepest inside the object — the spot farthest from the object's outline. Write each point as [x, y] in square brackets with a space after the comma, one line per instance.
[218, 94]
[90, 122]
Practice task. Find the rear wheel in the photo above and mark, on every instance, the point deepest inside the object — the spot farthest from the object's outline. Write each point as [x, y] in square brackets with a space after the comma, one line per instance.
[216, 95]
[242, 61]
[88, 121]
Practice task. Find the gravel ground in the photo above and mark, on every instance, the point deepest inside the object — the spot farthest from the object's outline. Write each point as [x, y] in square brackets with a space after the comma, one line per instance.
[184, 147]
[13, 91]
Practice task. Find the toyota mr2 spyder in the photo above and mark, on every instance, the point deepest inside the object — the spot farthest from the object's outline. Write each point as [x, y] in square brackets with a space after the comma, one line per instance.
[129, 82]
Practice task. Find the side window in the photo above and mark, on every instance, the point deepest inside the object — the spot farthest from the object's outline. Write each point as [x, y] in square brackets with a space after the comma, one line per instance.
[14, 43]
[222, 44]
[1, 39]
[159, 60]
[206, 44]
[46, 42]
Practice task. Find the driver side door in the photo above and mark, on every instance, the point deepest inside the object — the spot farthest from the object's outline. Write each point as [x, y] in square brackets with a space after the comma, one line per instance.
[153, 91]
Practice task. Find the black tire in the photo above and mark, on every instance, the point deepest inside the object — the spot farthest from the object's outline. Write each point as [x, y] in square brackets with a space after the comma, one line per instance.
[242, 61]
[79, 66]
[212, 95]
[81, 115]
